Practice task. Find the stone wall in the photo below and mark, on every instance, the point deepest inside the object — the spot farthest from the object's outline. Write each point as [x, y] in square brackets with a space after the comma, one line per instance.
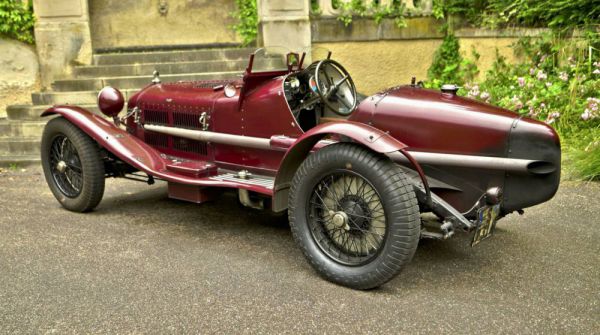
[376, 65]
[19, 73]
[381, 56]
[143, 23]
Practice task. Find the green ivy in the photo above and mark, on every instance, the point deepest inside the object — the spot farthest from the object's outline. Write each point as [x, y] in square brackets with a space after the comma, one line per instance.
[17, 20]
[247, 16]
[449, 66]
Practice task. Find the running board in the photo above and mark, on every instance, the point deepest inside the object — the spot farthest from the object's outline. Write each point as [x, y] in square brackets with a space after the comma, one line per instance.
[246, 178]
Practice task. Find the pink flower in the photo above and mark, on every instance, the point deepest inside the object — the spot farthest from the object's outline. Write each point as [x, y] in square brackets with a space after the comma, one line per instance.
[532, 112]
[516, 102]
[541, 75]
[596, 71]
[592, 104]
[532, 71]
[474, 92]
[552, 117]
[484, 95]
[563, 76]
[586, 115]
[521, 81]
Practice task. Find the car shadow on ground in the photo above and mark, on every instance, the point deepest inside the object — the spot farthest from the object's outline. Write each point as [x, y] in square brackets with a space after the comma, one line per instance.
[434, 261]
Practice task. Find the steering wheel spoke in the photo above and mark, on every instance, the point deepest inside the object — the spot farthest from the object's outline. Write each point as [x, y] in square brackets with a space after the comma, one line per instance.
[329, 88]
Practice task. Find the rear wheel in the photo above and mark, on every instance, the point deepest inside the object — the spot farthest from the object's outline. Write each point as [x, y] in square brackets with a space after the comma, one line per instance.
[354, 215]
[72, 166]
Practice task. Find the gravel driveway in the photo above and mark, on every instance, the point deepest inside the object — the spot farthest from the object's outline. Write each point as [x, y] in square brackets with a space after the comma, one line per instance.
[142, 263]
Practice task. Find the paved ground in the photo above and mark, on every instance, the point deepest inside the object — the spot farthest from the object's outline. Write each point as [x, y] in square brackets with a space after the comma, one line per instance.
[143, 263]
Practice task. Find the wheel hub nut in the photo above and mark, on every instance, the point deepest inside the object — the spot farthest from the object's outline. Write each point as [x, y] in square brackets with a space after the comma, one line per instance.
[61, 166]
[340, 220]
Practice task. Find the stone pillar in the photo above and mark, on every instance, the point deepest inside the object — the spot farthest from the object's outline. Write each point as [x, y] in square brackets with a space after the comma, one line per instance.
[284, 23]
[62, 34]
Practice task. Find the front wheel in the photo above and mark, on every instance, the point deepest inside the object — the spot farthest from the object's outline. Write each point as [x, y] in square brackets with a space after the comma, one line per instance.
[355, 215]
[72, 166]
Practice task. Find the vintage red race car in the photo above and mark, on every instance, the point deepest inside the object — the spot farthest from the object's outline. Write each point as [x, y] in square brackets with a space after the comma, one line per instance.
[361, 178]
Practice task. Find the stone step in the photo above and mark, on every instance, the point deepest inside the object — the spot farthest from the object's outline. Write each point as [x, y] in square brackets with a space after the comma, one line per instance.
[72, 98]
[4, 128]
[147, 69]
[31, 129]
[173, 56]
[19, 160]
[32, 113]
[20, 146]
[131, 82]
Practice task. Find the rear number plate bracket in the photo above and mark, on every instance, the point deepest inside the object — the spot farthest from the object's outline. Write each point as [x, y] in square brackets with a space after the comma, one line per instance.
[486, 223]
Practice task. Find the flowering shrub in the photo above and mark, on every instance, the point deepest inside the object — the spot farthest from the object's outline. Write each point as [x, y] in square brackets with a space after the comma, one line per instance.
[557, 83]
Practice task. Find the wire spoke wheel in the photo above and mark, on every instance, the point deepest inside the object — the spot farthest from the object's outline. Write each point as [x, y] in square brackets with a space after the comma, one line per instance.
[66, 166]
[354, 214]
[72, 164]
[346, 218]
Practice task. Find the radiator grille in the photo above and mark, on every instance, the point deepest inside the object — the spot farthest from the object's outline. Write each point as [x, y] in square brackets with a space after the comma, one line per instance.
[186, 120]
[156, 117]
[174, 116]
[157, 140]
[191, 146]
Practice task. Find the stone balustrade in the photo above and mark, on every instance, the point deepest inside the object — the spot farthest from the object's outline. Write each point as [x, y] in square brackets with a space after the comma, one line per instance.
[421, 7]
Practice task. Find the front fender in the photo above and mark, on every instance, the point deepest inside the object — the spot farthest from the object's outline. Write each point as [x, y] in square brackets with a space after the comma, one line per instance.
[127, 147]
[361, 133]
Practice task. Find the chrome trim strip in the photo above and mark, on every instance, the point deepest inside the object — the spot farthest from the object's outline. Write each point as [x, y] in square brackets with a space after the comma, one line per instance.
[209, 136]
[481, 162]
[470, 161]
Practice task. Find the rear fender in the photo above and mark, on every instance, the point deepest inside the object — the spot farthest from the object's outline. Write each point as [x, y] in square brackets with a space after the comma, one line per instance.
[360, 133]
[125, 146]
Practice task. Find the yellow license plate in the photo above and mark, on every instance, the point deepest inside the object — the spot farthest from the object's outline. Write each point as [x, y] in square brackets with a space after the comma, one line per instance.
[486, 222]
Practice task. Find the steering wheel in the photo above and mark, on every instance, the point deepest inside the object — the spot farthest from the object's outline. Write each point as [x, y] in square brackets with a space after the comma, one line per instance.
[335, 87]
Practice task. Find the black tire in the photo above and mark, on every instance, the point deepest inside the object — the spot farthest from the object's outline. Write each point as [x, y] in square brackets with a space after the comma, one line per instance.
[358, 269]
[84, 164]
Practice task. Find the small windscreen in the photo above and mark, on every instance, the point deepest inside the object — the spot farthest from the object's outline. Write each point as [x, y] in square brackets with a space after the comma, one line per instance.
[275, 58]
[270, 59]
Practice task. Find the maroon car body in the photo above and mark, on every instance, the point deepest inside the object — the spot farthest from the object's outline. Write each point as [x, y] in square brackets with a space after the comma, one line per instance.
[200, 136]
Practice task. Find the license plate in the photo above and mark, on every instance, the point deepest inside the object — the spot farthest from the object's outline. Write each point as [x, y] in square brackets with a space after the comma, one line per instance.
[486, 222]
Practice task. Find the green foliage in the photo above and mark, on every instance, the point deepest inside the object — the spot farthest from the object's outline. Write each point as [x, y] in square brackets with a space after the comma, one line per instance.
[360, 8]
[17, 20]
[449, 67]
[554, 84]
[558, 82]
[532, 13]
[314, 7]
[247, 16]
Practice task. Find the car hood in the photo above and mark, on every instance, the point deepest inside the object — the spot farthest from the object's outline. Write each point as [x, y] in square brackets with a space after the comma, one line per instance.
[433, 121]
